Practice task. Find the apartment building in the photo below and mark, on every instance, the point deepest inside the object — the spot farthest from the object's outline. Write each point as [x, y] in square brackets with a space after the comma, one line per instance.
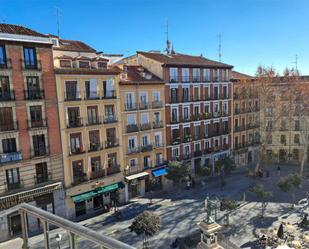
[198, 106]
[30, 151]
[143, 119]
[284, 120]
[246, 113]
[91, 133]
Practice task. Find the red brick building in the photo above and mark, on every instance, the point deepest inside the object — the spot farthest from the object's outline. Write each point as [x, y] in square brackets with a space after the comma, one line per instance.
[30, 146]
[198, 108]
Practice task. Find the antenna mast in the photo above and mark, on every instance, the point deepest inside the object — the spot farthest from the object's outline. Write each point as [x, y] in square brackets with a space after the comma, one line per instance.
[219, 48]
[296, 62]
[168, 43]
[58, 21]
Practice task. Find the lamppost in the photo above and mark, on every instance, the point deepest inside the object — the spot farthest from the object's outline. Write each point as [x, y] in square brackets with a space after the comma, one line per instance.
[58, 239]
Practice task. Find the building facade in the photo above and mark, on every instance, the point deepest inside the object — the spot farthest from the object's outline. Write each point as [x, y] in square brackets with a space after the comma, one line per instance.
[246, 115]
[198, 106]
[30, 151]
[143, 122]
[91, 131]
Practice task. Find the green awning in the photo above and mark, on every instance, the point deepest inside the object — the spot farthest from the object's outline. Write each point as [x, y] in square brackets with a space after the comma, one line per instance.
[83, 197]
[89, 195]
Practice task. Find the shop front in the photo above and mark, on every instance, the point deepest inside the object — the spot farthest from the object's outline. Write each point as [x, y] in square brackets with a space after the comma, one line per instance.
[97, 199]
[135, 185]
[156, 183]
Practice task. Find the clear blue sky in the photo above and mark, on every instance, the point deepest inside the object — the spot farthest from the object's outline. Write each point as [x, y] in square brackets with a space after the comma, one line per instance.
[254, 32]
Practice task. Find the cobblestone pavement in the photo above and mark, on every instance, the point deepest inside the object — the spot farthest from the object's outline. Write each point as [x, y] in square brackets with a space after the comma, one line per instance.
[180, 210]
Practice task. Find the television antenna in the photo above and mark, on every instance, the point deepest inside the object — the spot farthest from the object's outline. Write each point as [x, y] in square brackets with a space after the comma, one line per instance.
[296, 62]
[58, 15]
[219, 48]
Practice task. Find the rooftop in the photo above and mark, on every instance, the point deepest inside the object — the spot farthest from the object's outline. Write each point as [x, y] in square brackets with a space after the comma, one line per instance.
[19, 30]
[73, 45]
[176, 59]
[240, 76]
[138, 74]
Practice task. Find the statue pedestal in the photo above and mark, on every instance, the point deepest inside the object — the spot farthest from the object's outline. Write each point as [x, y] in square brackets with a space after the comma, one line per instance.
[209, 238]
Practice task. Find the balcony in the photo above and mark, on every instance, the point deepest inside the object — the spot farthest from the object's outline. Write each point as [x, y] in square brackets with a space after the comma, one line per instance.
[110, 119]
[174, 100]
[12, 126]
[132, 128]
[38, 152]
[196, 117]
[175, 141]
[79, 178]
[133, 150]
[31, 65]
[145, 126]
[14, 186]
[216, 114]
[197, 137]
[196, 98]
[186, 156]
[93, 120]
[111, 143]
[196, 78]
[157, 104]
[185, 79]
[10, 157]
[34, 94]
[175, 158]
[148, 165]
[206, 115]
[158, 145]
[175, 120]
[7, 64]
[109, 95]
[92, 95]
[161, 162]
[197, 153]
[186, 119]
[97, 174]
[43, 178]
[146, 147]
[76, 150]
[130, 107]
[114, 169]
[95, 147]
[174, 79]
[7, 95]
[143, 105]
[157, 125]
[185, 99]
[224, 114]
[73, 123]
[187, 138]
[72, 96]
[32, 124]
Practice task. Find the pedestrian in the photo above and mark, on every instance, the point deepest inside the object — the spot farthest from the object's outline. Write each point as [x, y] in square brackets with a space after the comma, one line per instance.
[188, 185]
[278, 169]
[193, 182]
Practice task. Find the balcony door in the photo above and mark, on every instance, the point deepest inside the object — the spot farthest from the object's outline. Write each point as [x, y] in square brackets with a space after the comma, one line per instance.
[6, 119]
[39, 144]
[41, 172]
[75, 142]
[111, 135]
[4, 87]
[71, 89]
[9, 145]
[73, 116]
[36, 116]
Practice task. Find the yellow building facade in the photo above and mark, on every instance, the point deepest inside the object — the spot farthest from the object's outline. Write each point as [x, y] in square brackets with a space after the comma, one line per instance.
[91, 132]
[143, 123]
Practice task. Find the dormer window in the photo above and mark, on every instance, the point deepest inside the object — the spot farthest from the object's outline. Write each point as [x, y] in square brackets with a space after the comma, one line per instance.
[65, 63]
[55, 42]
[102, 65]
[84, 64]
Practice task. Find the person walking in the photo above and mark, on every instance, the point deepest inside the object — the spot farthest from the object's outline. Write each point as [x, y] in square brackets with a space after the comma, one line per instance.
[278, 170]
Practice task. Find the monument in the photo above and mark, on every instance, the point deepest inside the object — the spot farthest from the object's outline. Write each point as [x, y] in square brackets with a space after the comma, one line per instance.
[209, 229]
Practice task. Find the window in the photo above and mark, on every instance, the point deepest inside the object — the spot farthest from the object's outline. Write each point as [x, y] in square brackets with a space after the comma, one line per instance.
[147, 162]
[102, 65]
[186, 113]
[109, 89]
[196, 75]
[74, 119]
[133, 162]
[12, 178]
[33, 88]
[76, 143]
[36, 116]
[185, 75]
[130, 101]
[158, 139]
[173, 74]
[283, 139]
[216, 92]
[5, 92]
[175, 115]
[144, 118]
[174, 95]
[131, 119]
[185, 94]
[224, 108]
[94, 140]
[157, 117]
[132, 142]
[39, 145]
[186, 150]
[216, 107]
[91, 89]
[145, 140]
[297, 125]
[71, 90]
[206, 74]
[9, 145]
[159, 158]
[30, 58]
[197, 147]
[84, 64]
[175, 153]
[6, 119]
[156, 96]
[215, 75]
[2, 57]
[296, 139]
[41, 172]
[206, 130]
[65, 63]
[78, 171]
[109, 110]
[143, 100]
[225, 95]
[92, 112]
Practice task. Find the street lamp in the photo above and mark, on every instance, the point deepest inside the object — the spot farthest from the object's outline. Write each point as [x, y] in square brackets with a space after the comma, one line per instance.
[58, 239]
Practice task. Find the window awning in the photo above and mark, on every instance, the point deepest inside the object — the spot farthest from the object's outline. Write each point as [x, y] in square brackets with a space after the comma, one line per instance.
[98, 191]
[159, 172]
[136, 176]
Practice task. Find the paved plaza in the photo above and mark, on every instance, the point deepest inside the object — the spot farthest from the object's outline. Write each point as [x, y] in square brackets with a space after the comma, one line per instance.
[180, 210]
